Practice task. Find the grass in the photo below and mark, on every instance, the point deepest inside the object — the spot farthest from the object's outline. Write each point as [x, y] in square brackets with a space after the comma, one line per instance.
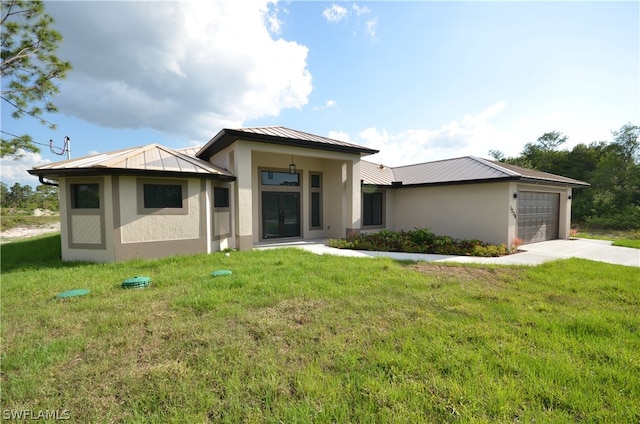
[295, 337]
[629, 238]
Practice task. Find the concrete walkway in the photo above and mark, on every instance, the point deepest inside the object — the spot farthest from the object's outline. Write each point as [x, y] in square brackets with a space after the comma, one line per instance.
[530, 254]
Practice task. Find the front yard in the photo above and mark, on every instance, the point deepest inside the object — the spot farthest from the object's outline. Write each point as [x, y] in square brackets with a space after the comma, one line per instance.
[290, 336]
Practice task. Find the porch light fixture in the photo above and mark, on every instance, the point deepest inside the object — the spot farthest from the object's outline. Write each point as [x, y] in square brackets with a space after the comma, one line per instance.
[292, 167]
[515, 195]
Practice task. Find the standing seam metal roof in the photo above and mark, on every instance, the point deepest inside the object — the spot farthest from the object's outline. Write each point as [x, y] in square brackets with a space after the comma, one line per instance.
[152, 157]
[279, 135]
[457, 170]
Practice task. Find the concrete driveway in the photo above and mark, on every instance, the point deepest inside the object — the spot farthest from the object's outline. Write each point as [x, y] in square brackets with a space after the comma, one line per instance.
[530, 254]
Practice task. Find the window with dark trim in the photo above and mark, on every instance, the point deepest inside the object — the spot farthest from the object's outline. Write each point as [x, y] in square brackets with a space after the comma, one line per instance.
[220, 197]
[315, 210]
[159, 196]
[372, 209]
[162, 196]
[85, 196]
[276, 178]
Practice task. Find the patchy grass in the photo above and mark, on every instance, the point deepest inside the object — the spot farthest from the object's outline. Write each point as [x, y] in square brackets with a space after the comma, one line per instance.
[13, 218]
[295, 337]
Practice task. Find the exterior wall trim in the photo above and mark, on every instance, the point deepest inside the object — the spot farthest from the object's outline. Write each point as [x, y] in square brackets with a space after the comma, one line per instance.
[100, 212]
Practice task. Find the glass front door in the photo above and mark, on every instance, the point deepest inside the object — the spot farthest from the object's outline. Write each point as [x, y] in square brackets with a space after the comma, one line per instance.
[280, 214]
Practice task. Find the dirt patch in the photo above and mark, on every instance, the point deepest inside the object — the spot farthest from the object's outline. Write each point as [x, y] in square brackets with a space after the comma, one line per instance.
[25, 231]
[465, 272]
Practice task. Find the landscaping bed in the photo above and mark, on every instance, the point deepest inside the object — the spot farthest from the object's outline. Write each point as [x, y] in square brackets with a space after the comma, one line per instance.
[420, 240]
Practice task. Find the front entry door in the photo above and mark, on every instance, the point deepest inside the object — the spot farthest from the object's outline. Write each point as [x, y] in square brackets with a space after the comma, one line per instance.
[280, 214]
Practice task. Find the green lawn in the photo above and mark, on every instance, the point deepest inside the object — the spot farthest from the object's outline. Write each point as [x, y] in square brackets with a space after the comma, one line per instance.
[295, 337]
[629, 238]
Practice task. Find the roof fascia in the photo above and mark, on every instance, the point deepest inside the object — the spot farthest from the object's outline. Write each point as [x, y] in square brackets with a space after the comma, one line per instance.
[399, 184]
[541, 181]
[93, 172]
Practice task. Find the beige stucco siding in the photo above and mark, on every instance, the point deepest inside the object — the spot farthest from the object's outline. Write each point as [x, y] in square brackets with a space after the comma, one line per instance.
[85, 235]
[136, 228]
[335, 216]
[472, 211]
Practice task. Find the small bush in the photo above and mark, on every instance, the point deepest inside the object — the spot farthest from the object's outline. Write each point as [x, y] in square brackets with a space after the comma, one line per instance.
[420, 240]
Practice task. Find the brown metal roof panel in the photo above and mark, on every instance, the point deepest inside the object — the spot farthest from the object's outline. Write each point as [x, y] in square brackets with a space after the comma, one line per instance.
[373, 173]
[449, 170]
[538, 175]
[287, 133]
[171, 162]
[152, 157]
[189, 151]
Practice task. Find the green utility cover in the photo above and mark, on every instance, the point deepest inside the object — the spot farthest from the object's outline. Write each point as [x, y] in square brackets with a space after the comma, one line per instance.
[73, 293]
[221, 272]
[136, 282]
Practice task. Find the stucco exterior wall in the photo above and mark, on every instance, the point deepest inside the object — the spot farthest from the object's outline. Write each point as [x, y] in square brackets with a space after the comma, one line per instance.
[85, 235]
[137, 228]
[472, 211]
[152, 235]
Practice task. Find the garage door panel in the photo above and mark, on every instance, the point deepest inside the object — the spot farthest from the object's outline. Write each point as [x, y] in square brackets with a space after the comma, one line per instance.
[538, 216]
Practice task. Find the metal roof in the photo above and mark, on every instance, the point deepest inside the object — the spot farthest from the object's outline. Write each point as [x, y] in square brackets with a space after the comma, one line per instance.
[373, 173]
[143, 159]
[279, 135]
[189, 151]
[468, 169]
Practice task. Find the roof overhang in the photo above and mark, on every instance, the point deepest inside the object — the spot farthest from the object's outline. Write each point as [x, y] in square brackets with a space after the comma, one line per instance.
[399, 184]
[227, 137]
[55, 174]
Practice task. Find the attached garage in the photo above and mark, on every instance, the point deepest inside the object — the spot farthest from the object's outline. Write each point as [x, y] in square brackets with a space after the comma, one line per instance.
[538, 216]
[474, 198]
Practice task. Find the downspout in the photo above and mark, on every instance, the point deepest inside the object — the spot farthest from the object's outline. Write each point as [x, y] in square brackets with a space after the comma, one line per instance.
[42, 181]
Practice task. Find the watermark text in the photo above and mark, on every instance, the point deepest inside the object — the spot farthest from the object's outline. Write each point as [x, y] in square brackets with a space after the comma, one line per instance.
[33, 414]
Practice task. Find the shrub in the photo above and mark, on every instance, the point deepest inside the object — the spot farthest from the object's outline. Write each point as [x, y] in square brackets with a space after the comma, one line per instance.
[627, 219]
[419, 240]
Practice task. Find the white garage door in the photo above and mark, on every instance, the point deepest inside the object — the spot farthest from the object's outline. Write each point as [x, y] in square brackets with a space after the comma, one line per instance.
[538, 216]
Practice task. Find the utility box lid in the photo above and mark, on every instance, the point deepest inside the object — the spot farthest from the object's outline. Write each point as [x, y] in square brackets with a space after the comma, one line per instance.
[136, 282]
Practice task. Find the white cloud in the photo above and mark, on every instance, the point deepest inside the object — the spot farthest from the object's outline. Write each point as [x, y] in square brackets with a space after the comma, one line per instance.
[472, 135]
[271, 17]
[184, 68]
[340, 135]
[15, 170]
[328, 105]
[371, 28]
[335, 13]
[360, 10]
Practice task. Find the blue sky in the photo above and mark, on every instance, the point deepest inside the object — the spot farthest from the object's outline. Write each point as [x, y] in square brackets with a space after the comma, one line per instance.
[419, 81]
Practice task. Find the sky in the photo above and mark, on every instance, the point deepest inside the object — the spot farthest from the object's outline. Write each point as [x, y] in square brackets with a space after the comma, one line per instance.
[417, 80]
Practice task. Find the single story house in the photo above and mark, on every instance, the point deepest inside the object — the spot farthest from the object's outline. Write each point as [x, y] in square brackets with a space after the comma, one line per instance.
[251, 185]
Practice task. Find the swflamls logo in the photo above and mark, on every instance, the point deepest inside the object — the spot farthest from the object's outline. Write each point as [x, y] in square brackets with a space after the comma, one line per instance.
[31, 414]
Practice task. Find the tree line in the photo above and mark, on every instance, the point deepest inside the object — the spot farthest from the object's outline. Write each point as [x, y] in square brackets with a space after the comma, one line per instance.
[24, 197]
[611, 167]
